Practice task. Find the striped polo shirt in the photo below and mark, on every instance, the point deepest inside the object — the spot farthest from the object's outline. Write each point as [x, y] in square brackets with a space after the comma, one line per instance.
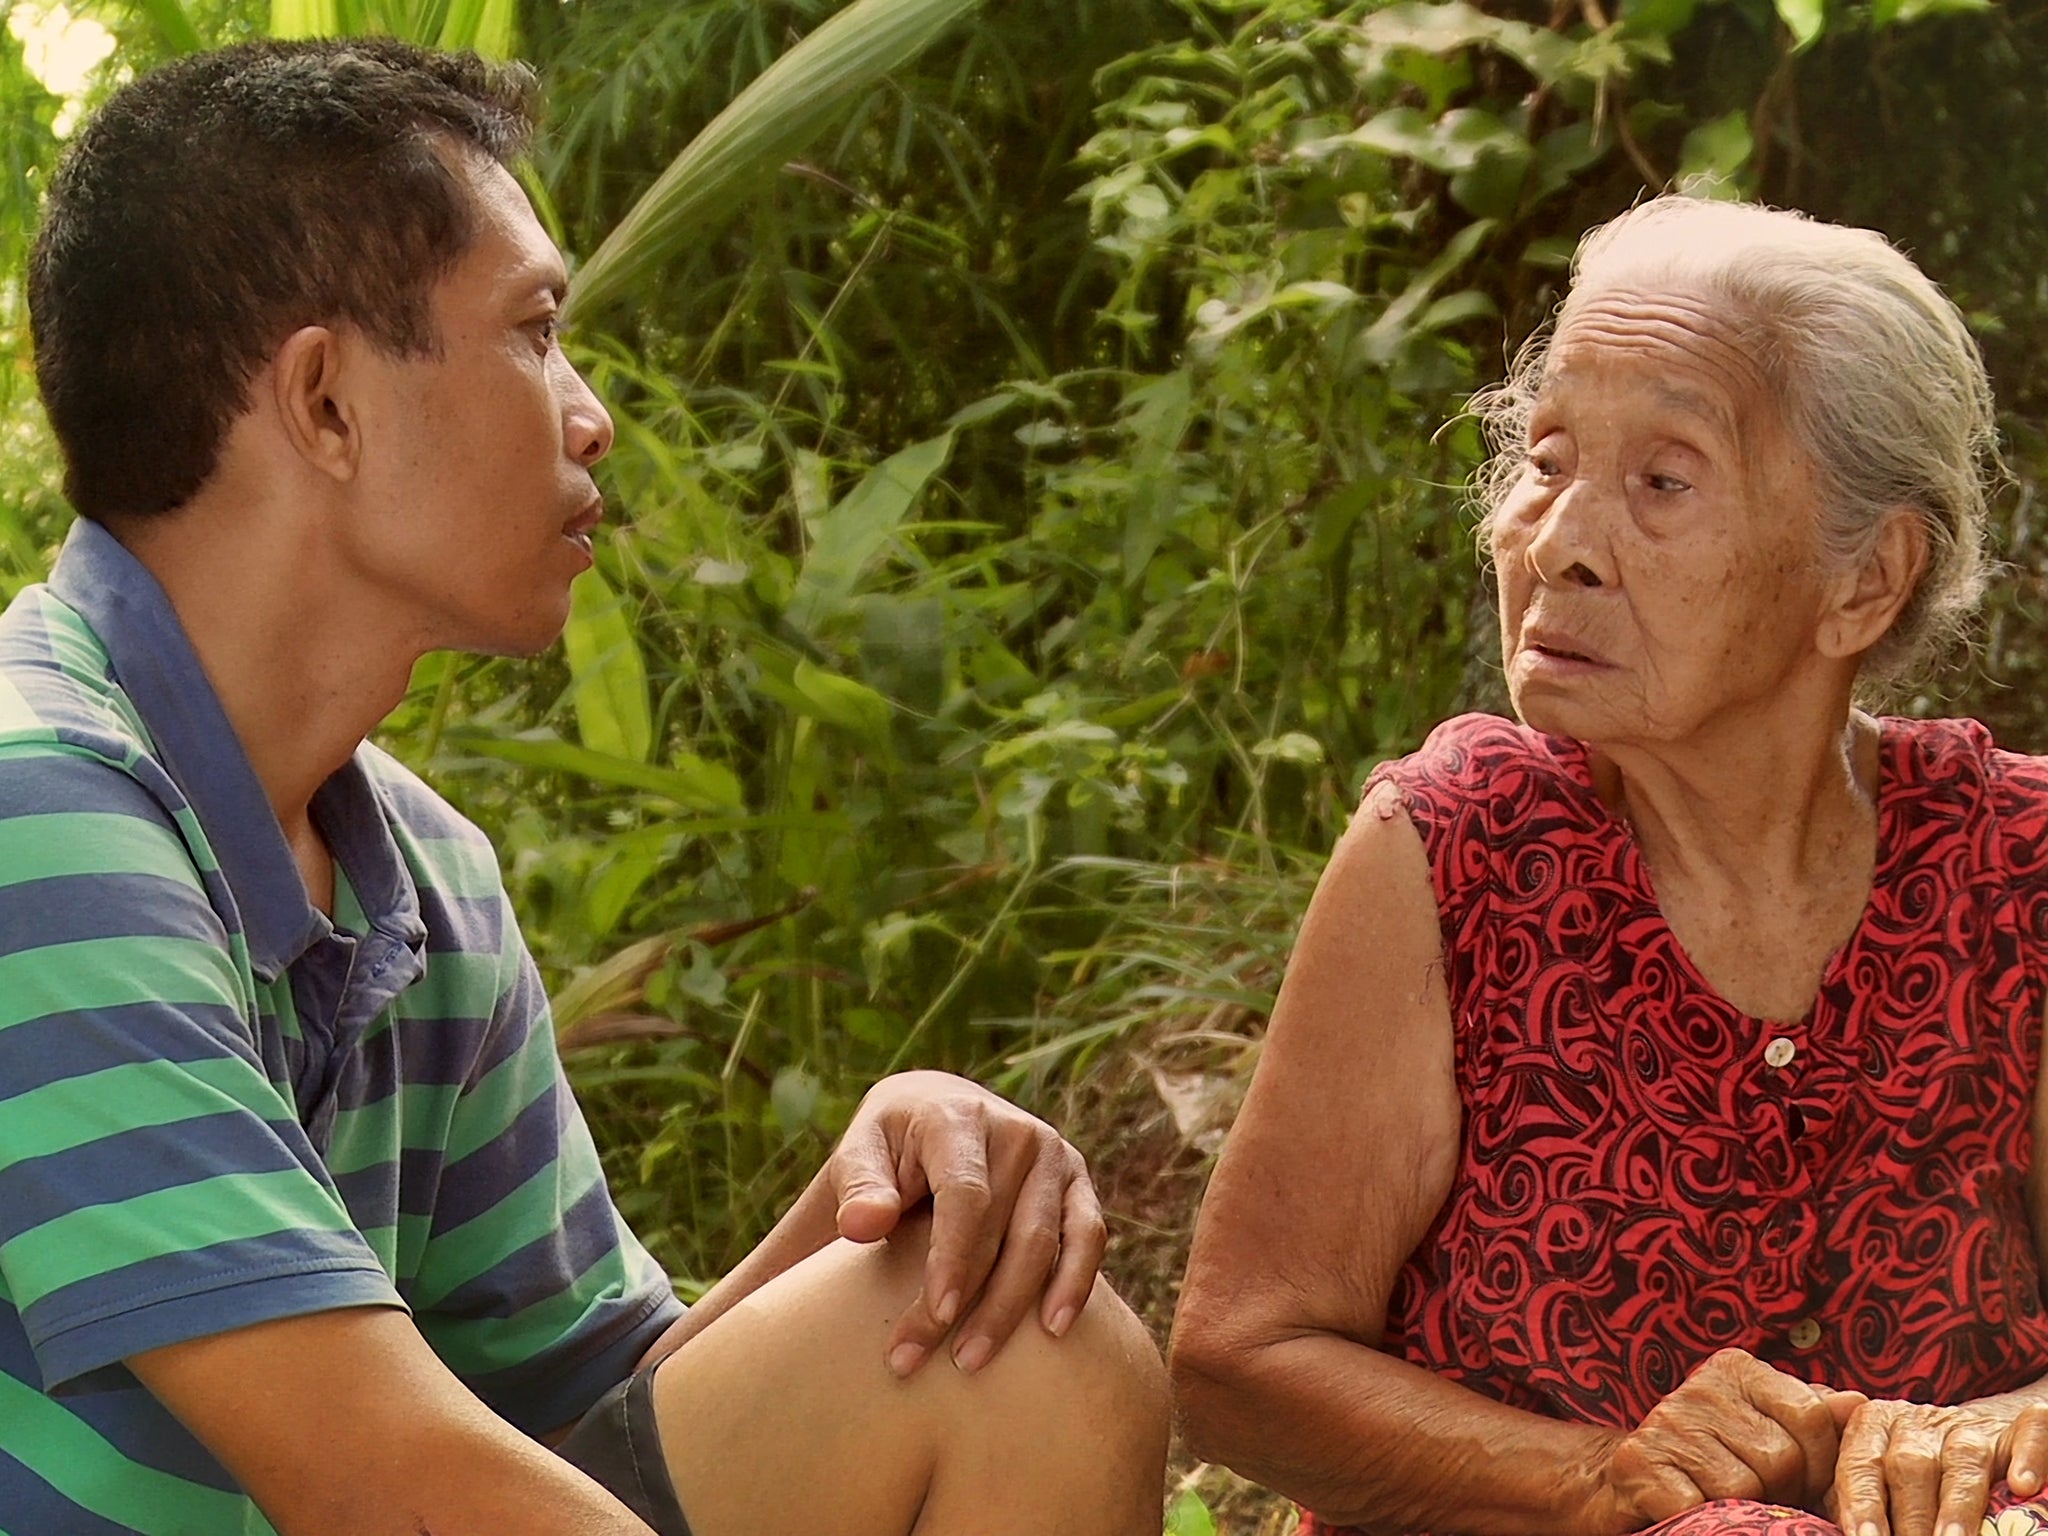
[218, 1107]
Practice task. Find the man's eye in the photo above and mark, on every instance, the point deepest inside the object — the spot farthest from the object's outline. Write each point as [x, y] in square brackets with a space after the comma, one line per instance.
[547, 330]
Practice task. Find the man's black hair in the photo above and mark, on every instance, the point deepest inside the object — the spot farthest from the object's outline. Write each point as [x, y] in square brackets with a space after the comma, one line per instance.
[215, 206]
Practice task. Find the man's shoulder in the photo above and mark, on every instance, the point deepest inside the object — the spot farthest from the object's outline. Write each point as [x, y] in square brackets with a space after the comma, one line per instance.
[57, 688]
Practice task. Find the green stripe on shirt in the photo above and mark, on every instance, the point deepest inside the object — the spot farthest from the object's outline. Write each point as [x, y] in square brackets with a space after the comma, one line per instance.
[77, 1110]
[111, 973]
[69, 1455]
[202, 1214]
[90, 843]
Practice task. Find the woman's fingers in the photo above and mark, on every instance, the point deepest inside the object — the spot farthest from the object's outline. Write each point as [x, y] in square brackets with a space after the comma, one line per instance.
[1915, 1469]
[1802, 1454]
[1860, 1472]
[1669, 1491]
[1913, 1465]
[1722, 1472]
[1969, 1466]
[2027, 1462]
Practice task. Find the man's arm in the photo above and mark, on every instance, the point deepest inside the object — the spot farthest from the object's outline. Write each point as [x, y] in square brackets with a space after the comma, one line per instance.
[161, 1207]
[346, 1424]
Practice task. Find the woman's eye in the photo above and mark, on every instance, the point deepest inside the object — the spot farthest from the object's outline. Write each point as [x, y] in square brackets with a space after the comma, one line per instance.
[1667, 484]
[1543, 462]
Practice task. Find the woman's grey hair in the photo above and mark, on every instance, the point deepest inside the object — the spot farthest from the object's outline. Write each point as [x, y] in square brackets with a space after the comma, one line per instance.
[1880, 384]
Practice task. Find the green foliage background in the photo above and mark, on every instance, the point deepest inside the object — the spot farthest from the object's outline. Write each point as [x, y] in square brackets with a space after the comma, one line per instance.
[1039, 497]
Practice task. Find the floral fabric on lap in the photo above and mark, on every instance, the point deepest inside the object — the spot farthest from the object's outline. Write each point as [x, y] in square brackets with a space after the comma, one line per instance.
[1741, 1517]
[1736, 1517]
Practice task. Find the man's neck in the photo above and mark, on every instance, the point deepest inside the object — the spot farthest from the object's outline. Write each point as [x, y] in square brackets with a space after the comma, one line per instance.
[302, 678]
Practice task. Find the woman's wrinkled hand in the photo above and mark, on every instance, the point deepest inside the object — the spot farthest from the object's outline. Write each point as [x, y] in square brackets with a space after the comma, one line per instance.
[1735, 1429]
[1015, 1219]
[1911, 1469]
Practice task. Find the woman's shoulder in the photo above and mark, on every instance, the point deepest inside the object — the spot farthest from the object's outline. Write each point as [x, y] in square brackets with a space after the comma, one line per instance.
[1958, 752]
[1951, 769]
[1478, 758]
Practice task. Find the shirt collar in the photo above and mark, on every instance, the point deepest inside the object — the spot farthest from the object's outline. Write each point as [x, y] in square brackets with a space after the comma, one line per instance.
[154, 663]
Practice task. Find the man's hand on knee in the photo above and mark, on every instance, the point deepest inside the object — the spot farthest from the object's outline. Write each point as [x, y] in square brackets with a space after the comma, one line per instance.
[1015, 1219]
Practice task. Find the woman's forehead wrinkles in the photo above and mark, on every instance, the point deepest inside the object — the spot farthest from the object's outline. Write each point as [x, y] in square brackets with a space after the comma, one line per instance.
[1703, 330]
[1704, 370]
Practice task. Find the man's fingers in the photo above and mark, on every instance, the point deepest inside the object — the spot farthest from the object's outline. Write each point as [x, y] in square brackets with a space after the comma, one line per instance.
[1000, 1186]
[950, 1155]
[965, 1237]
[1030, 1248]
[1084, 1237]
[864, 1188]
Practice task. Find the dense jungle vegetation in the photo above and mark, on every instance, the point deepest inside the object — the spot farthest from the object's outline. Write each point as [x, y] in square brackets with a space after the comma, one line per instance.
[1039, 500]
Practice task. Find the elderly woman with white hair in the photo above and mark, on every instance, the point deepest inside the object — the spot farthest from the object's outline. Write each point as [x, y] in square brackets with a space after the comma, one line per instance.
[1645, 1131]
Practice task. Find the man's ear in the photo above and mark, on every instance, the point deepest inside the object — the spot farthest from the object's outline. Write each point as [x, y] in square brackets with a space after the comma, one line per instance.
[1868, 601]
[307, 379]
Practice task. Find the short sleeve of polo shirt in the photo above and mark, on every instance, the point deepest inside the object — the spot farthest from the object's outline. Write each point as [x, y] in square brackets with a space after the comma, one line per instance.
[155, 1185]
[530, 1286]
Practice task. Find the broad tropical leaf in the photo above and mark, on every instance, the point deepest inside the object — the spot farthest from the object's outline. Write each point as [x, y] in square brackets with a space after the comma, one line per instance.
[851, 534]
[608, 675]
[772, 119]
[487, 26]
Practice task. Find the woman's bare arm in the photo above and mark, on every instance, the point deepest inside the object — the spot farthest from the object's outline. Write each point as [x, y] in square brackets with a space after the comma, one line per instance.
[1338, 1164]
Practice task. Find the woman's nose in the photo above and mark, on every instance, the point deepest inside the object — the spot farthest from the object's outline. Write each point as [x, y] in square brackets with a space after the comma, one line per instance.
[1567, 546]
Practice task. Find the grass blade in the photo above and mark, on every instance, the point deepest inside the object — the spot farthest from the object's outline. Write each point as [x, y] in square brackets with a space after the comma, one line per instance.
[173, 24]
[305, 18]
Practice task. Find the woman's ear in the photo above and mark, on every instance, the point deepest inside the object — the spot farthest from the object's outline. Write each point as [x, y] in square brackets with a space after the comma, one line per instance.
[1868, 601]
[307, 384]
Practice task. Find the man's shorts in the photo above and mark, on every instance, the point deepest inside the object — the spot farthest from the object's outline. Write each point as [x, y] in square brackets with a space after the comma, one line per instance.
[616, 1444]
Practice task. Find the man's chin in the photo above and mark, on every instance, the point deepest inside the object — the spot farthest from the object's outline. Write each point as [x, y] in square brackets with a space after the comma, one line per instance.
[527, 638]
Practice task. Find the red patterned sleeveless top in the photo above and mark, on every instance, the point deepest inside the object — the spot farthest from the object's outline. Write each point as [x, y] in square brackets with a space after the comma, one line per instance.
[1649, 1175]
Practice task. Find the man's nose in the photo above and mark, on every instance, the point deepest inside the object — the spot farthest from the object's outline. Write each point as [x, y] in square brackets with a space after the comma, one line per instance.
[587, 424]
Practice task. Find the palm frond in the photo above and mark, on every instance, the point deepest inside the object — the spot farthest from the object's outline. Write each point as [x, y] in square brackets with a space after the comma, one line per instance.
[772, 119]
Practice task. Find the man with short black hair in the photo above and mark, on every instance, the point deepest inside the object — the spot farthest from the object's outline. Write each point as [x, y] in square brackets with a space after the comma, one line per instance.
[300, 1227]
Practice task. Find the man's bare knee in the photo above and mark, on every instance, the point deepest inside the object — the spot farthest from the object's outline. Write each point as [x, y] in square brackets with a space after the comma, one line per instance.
[1069, 1430]
[1107, 1354]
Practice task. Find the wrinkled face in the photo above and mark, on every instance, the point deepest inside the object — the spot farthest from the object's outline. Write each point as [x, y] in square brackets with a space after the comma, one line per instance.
[479, 505]
[1656, 556]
